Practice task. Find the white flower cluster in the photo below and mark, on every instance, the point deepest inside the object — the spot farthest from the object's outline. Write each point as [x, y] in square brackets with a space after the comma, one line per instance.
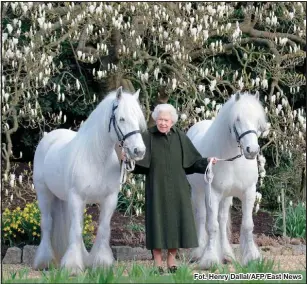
[261, 168]
[257, 201]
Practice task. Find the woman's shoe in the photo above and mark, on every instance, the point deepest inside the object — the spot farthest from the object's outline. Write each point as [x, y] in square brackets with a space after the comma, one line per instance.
[172, 269]
[158, 270]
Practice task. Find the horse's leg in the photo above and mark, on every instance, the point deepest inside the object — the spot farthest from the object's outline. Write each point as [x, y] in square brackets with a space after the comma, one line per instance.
[73, 258]
[248, 247]
[101, 253]
[211, 253]
[44, 255]
[199, 207]
[224, 219]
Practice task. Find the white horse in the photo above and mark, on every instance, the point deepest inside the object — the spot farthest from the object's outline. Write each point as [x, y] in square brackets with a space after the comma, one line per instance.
[72, 169]
[232, 135]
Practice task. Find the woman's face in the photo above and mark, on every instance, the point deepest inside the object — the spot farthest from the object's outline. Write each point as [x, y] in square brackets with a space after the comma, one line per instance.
[164, 122]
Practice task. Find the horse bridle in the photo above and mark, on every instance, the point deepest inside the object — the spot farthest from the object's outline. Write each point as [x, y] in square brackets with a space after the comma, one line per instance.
[121, 137]
[238, 138]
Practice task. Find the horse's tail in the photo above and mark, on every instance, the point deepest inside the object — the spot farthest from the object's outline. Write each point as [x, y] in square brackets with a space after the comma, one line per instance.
[60, 227]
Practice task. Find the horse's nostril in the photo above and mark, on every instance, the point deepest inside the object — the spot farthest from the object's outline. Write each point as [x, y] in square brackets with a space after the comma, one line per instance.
[136, 151]
[248, 149]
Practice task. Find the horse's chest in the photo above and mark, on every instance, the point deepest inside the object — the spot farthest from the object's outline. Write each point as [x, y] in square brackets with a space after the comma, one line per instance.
[232, 178]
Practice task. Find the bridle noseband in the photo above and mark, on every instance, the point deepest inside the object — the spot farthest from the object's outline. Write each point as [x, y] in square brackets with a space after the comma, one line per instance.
[121, 137]
[238, 138]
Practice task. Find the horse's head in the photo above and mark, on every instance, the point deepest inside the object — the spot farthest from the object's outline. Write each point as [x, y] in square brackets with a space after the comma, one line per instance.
[127, 122]
[248, 122]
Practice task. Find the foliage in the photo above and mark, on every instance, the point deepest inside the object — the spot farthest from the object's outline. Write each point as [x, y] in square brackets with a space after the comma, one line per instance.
[143, 274]
[131, 198]
[23, 226]
[295, 221]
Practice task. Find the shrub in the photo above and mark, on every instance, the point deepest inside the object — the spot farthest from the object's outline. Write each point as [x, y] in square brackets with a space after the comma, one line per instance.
[295, 221]
[131, 198]
[23, 226]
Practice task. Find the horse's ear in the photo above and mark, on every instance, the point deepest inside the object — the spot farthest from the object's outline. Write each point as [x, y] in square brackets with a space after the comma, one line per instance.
[237, 96]
[119, 92]
[136, 94]
[257, 95]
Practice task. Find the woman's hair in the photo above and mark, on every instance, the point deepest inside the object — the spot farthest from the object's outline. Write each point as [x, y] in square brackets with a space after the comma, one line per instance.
[165, 108]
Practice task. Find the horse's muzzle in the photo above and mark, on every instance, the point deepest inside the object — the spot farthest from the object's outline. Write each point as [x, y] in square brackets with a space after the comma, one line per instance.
[137, 153]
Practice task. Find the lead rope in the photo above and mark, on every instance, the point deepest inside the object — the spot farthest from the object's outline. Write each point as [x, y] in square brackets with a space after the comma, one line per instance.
[126, 166]
[208, 176]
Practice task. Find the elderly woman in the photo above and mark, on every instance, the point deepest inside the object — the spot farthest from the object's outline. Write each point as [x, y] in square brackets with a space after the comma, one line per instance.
[170, 155]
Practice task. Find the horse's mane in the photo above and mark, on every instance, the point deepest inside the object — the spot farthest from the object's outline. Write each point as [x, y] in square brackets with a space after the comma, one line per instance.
[247, 107]
[100, 117]
[90, 141]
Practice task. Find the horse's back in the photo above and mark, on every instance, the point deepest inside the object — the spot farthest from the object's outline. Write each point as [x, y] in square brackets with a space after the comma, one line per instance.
[48, 147]
[198, 131]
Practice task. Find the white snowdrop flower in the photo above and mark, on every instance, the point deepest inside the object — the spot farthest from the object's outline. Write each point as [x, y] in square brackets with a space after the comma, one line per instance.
[264, 83]
[128, 193]
[12, 195]
[291, 203]
[257, 207]
[212, 85]
[218, 107]
[278, 199]
[262, 174]
[12, 183]
[20, 179]
[183, 116]
[262, 159]
[257, 81]
[213, 104]
[283, 41]
[258, 196]
[6, 192]
[9, 28]
[5, 177]
[174, 83]
[78, 84]
[206, 101]
[197, 110]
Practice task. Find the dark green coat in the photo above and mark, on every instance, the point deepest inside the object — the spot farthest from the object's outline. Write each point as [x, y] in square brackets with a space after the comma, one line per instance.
[169, 217]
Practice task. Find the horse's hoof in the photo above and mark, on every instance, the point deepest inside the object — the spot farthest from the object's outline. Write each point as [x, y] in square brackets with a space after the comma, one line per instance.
[226, 260]
[193, 260]
[207, 263]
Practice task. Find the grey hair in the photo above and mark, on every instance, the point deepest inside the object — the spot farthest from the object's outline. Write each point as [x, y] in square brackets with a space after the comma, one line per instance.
[165, 108]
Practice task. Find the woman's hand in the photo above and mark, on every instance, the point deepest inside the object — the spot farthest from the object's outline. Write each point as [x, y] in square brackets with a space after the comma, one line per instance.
[123, 156]
[213, 159]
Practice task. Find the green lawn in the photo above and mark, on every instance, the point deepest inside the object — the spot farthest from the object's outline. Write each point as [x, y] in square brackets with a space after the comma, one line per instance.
[141, 274]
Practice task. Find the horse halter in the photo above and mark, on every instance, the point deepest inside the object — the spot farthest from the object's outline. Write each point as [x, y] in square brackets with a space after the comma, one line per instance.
[239, 137]
[121, 137]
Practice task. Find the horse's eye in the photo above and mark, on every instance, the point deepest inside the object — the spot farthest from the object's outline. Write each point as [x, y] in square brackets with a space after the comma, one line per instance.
[121, 119]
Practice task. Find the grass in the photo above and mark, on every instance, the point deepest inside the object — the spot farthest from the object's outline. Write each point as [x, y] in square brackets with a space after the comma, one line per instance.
[144, 274]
